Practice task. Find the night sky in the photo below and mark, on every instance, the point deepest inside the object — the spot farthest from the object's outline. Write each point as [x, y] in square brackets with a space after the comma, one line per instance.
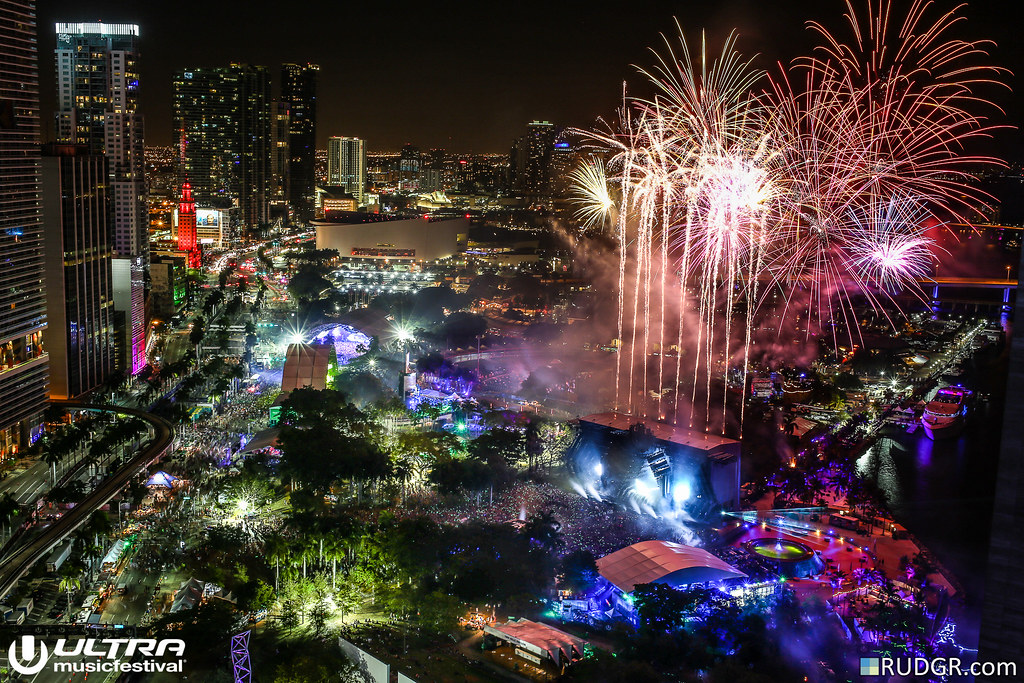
[464, 76]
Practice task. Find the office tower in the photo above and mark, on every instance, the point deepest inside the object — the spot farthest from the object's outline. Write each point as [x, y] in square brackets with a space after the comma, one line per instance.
[1002, 618]
[563, 159]
[79, 294]
[409, 164]
[280, 157]
[298, 91]
[98, 106]
[97, 89]
[346, 165]
[224, 114]
[530, 161]
[23, 359]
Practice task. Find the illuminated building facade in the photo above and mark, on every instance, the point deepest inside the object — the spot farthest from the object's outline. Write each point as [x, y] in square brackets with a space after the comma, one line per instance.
[188, 238]
[98, 106]
[23, 359]
[530, 160]
[226, 118]
[298, 91]
[279, 158]
[80, 335]
[346, 165]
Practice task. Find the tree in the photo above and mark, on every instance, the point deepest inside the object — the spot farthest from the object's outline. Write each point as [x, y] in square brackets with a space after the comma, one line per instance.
[439, 611]
[499, 448]
[197, 332]
[307, 284]
[578, 571]
[69, 585]
[9, 510]
[543, 529]
[660, 607]
[453, 476]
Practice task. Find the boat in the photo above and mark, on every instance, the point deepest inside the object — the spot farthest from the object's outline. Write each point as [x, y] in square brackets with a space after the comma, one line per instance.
[944, 415]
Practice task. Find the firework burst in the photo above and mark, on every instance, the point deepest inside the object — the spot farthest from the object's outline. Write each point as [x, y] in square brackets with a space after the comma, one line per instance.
[810, 190]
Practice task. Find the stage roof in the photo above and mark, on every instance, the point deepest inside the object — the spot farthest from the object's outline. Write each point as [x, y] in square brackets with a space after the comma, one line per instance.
[558, 645]
[690, 438]
[305, 365]
[663, 562]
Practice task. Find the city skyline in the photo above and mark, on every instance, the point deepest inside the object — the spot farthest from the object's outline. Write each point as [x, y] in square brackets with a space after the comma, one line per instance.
[467, 80]
[414, 325]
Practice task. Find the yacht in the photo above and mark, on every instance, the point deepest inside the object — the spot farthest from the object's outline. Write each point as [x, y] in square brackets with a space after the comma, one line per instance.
[944, 415]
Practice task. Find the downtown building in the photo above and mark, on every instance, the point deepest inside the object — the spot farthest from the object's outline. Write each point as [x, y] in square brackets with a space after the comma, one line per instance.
[223, 115]
[80, 336]
[98, 106]
[1002, 619]
[298, 94]
[280, 159]
[23, 358]
[530, 172]
[346, 166]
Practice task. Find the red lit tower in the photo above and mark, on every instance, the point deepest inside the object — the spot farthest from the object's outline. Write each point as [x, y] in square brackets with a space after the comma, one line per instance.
[188, 240]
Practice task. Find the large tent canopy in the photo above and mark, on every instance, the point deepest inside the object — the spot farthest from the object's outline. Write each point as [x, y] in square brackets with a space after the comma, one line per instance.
[162, 480]
[663, 562]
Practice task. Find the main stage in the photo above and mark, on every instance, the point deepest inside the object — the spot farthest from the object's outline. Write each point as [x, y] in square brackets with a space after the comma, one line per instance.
[663, 464]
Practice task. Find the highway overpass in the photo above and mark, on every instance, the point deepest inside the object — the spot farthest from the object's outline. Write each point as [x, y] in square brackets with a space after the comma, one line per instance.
[21, 560]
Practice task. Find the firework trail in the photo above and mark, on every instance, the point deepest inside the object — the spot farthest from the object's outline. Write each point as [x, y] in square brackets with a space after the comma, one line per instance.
[733, 189]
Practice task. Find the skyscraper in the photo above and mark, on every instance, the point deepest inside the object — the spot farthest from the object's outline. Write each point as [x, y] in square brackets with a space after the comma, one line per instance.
[79, 294]
[346, 165]
[23, 359]
[224, 113]
[280, 158]
[530, 162]
[98, 106]
[1002, 618]
[298, 91]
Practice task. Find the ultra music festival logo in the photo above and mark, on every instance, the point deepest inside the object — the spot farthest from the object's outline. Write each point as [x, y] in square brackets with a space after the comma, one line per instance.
[28, 656]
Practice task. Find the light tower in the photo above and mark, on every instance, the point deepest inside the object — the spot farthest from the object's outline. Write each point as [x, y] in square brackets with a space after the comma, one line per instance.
[240, 665]
[188, 239]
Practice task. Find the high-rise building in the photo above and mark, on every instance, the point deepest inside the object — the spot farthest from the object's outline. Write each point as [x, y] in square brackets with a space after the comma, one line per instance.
[280, 158]
[224, 113]
[23, 359]
[346, 165]
[530, 161]
[409, 164]
[564, 159]
[1002, 619]
[298, 91]
[98, 106]
[80, 335]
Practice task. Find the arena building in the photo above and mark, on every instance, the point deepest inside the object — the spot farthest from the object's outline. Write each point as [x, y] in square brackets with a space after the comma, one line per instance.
[376, 237]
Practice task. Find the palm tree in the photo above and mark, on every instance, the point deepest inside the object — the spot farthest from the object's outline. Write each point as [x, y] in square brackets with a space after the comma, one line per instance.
[69, 585]
[544, 529]
[9, 510]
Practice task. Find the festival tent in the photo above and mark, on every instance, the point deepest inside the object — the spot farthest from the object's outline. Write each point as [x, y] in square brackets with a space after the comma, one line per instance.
[162, 480]
[663, 562]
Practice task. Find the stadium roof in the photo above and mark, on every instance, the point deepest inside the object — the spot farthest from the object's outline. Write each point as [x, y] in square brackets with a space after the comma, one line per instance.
[663, 562]
[541, 638]
[690, 438]
[305, 365]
